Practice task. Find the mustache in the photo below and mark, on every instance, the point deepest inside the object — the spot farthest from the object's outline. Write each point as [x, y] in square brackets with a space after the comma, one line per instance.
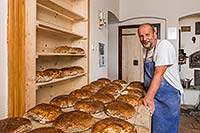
[145, 41]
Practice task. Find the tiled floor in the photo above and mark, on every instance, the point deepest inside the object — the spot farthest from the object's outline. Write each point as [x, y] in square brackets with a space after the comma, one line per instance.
[189, 123]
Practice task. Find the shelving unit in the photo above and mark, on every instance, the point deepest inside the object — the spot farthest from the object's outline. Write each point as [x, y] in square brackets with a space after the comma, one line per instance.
[50, 24]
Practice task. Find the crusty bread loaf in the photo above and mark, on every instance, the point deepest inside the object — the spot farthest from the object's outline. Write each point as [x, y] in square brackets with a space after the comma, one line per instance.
[48, 75]
[69, 50]
[121, 82]
[67, 71]
[15, 125]
[120, 110]
[90, 106]
[81, 94]
[64, 101]
[112, 88]
[135, 93]
[103, 97]
[89, 87]
[43, 113]
[130, 100]
[104, 80]
[77, 69]
[113, 125]
[97, 85]
[62, 49]
[74, 121]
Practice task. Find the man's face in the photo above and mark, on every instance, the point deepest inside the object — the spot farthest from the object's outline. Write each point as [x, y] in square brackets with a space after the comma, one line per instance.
[147, 37]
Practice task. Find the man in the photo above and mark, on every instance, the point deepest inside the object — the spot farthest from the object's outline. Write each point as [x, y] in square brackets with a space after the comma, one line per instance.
[161, 81]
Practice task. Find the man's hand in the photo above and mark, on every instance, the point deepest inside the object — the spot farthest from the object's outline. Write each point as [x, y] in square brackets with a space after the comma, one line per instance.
[154, 86]
[149, 103]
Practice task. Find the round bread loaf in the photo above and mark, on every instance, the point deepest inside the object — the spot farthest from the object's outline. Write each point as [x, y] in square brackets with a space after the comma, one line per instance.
[53, 72]
[81, 94]
[97, 85]
[104, 80]
[103, 97]
[42, 77]
[62, 49]
[76, 50]
[67, 71]
[120, 110]
[44, 113]
[120, 82]
[135, 93]
[137, 84]
[15, 125]
[74, 121]
[134, 101]
[77, 69]
[112, 88]
[138, 88]
[64, 101]
[89, 106]
[89, 87]
[113, 125]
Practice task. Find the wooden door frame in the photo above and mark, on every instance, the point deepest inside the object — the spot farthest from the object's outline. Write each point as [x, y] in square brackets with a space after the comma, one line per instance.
[120, 28]
[16, 57]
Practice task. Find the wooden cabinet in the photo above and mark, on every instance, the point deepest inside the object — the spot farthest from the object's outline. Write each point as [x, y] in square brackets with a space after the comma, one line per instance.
[50, 24]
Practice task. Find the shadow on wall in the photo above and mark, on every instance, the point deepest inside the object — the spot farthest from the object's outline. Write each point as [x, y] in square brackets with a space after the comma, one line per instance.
[112, 18]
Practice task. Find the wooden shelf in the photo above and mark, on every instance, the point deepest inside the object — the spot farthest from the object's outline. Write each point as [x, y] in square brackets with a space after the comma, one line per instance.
[56, 29]
[61, 7]
[60, 79]
[59, 54]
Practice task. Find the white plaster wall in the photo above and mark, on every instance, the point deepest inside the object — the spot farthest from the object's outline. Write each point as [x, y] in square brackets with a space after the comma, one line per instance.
[190, 97]
[3, 60]
[171, 10]
[97, 35]
[113, 51]
[188, 46]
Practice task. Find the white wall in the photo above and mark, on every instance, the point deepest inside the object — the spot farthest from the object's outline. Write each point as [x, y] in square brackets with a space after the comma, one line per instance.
[3, 60]
[97, 35]
[171, 10]
[113, 51]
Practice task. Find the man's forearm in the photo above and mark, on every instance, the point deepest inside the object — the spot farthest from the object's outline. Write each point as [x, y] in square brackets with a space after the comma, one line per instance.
[156, 81]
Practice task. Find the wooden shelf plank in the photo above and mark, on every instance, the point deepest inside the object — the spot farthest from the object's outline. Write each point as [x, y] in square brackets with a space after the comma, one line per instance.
[60, 79]
[62, 8]
[58, 54]
[56, 29]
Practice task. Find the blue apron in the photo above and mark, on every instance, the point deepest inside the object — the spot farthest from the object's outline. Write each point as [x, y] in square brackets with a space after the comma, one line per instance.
[166, 116]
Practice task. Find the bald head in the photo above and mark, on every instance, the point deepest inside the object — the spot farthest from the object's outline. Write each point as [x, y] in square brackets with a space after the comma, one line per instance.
[147, 25]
